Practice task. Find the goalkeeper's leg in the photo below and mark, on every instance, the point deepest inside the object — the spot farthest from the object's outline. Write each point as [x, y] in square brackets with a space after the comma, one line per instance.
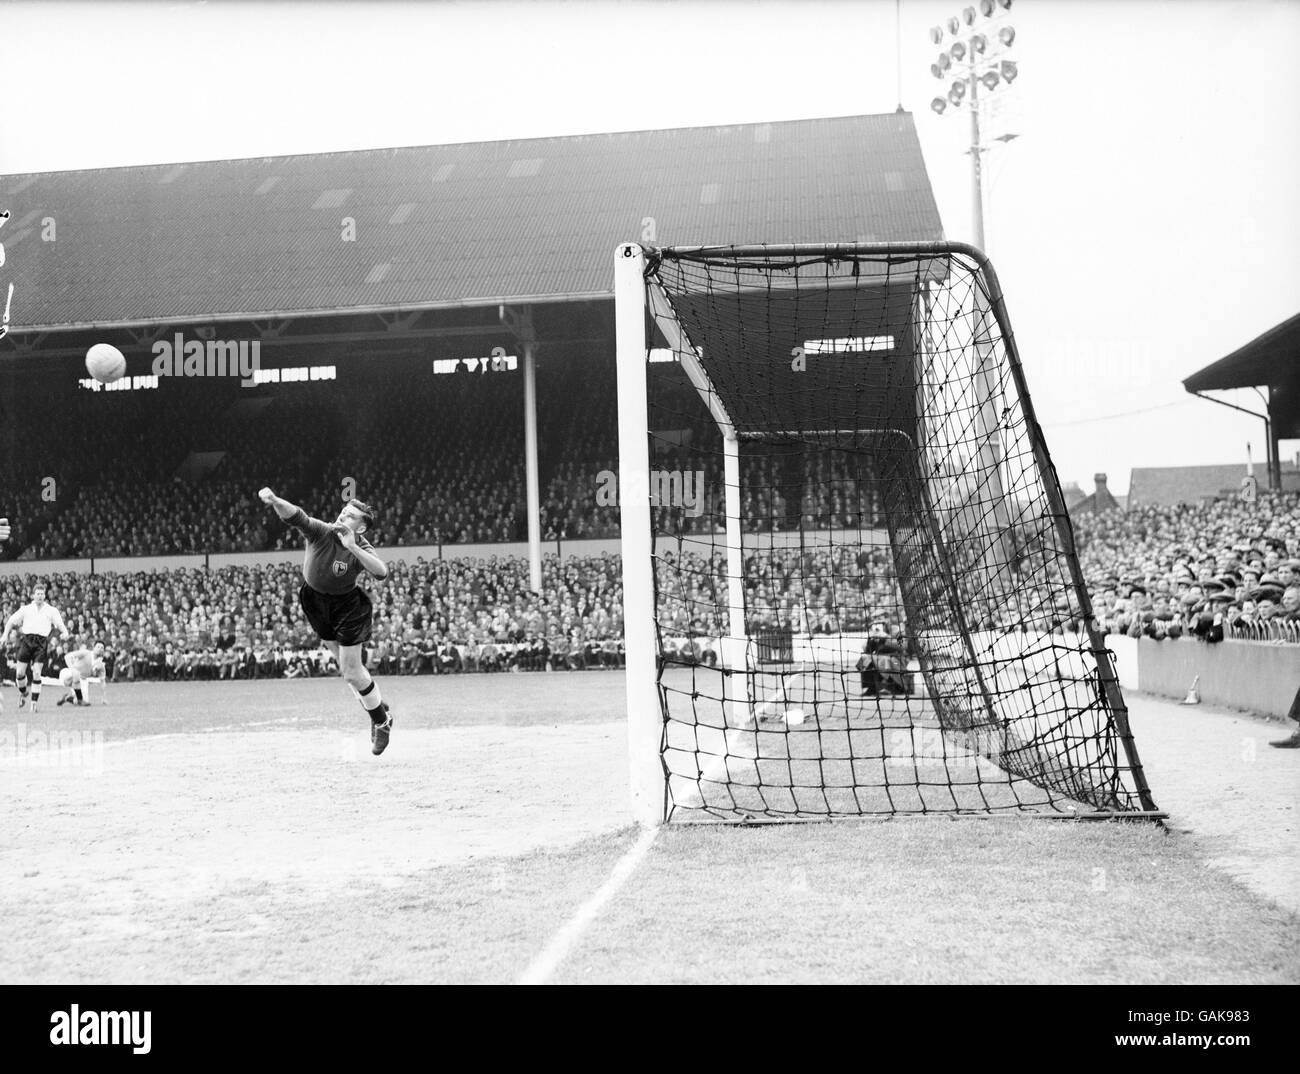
[361, 683]
[359, 680]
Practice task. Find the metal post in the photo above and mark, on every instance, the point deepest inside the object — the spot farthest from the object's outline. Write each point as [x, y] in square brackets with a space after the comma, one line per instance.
[1273, 464]
[737, 653]
[898, 49]
[976, 179]
[735, 549]
[645, 718]
[530, 470]
[1274, 450]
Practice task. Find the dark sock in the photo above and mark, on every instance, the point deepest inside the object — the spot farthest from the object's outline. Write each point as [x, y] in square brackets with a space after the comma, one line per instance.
[78, 693]
[379, 713]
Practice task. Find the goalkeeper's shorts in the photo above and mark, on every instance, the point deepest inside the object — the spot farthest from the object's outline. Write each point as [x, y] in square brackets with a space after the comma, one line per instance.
[341, 617]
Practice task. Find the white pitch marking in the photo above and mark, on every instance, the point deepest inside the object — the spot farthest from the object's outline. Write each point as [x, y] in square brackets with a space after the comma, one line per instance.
[545, 964]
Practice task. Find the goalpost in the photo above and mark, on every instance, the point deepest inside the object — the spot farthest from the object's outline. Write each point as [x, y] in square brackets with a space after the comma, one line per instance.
[873, 605]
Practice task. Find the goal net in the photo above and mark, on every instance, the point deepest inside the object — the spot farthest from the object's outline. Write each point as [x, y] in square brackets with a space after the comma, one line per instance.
[850, 582]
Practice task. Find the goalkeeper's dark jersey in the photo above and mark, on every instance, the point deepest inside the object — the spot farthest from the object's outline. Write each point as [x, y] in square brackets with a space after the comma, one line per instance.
[327, 566]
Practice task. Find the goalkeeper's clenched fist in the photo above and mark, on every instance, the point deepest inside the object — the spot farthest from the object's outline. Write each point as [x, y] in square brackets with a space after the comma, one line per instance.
[283, 508]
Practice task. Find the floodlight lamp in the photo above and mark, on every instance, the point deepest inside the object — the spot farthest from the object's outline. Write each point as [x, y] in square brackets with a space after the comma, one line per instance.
[958, 51]
[957, 92]
[968, 15]
[978, 43]
[1007, 35]
[938, 104]
[936, 34]
[986, 7]
[990, 79]
[1009, 70]
[954, 24]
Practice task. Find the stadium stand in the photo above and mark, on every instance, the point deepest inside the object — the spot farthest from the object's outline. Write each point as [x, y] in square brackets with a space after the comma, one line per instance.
[1209, 571]
[442, 460]
[1153, 571]
[441, 456]
[172, 470]
[466, 247]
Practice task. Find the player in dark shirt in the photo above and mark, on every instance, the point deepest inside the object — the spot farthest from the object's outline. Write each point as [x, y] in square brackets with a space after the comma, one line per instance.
[338, 610]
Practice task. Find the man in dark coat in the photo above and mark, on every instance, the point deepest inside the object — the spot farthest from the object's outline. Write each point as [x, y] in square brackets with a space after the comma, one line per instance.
[883, 663]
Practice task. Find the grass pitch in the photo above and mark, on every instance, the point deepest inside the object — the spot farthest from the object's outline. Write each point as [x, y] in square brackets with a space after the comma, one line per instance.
[243, 833]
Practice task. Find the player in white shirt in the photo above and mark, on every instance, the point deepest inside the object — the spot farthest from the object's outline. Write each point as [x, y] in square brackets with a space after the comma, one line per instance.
[35, 622]
[84, 666]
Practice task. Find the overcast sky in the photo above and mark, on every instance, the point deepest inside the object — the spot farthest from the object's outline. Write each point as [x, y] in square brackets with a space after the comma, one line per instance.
[1145, 223]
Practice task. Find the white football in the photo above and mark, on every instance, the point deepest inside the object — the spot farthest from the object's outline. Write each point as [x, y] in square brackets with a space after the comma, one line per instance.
[794, 717]
[105, 363]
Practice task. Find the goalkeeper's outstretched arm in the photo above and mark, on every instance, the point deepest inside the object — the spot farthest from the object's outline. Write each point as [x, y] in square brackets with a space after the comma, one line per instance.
[282, 507]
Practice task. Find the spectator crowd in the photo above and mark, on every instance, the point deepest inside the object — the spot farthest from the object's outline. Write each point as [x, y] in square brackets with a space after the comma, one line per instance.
[429, 618]
[1215, 570]
[127, 476]
[136, 474]
[1219, 569]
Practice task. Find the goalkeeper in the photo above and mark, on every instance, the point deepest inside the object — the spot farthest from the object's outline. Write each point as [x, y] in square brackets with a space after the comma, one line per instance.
[338, 610]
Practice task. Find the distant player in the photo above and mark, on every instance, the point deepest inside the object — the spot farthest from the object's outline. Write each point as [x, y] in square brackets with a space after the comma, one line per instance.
[338, 610]
[34, 622]
[83, 665]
